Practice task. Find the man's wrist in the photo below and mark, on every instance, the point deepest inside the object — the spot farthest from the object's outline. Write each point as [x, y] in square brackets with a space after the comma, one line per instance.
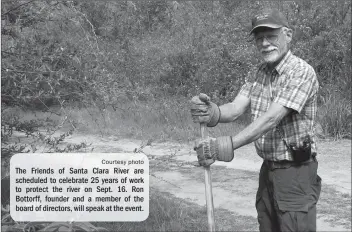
[235, 143]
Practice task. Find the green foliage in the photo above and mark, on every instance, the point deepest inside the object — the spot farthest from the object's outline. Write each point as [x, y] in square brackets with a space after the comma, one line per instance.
[107, 53]
[180, 75]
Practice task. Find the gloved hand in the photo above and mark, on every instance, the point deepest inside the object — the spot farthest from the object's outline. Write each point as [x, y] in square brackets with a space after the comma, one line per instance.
[211, 149]
[204, 111]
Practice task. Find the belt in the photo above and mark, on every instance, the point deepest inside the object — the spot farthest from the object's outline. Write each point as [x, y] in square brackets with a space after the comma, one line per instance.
[286, 163]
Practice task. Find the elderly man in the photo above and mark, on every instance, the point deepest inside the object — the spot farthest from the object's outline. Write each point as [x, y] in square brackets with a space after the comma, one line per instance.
[282, 96]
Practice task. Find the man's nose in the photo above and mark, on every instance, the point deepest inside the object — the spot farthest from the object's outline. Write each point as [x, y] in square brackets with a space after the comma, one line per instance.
[265, 42]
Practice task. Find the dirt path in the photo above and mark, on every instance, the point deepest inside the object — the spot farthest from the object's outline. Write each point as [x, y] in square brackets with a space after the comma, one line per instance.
[235, 183]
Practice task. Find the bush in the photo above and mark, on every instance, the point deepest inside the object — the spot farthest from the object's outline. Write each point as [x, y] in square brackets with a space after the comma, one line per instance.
[74, 53]
[334, 115]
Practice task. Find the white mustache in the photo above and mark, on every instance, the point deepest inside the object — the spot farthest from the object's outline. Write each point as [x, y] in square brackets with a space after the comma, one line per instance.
[268, 50]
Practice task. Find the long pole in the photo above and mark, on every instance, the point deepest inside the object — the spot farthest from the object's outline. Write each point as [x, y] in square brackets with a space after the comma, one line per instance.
[208, 190]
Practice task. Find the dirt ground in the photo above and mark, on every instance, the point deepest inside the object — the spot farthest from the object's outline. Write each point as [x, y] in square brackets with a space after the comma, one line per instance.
[234, 184]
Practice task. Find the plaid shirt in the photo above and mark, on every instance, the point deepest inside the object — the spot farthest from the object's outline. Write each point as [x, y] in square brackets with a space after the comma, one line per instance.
[293, 84]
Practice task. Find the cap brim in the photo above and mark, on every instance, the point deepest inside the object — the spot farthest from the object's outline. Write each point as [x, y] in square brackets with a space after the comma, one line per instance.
[270, 25]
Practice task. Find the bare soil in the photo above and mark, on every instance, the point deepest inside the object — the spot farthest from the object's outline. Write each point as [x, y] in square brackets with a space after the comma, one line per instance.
[234, 184]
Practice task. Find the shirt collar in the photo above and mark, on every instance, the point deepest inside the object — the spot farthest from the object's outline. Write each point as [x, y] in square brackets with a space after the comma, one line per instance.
[283, 63]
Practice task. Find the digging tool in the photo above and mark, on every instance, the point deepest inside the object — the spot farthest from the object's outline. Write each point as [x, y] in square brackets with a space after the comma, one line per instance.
[208, 189]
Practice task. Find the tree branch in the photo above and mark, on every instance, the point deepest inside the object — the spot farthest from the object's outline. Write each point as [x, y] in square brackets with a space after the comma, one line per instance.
[23, 4]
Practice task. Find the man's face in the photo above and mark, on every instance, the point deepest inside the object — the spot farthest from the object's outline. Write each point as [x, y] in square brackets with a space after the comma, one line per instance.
[272, 43]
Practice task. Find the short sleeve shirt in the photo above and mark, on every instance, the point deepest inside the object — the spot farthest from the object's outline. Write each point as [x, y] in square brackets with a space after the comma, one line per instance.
[293, 84]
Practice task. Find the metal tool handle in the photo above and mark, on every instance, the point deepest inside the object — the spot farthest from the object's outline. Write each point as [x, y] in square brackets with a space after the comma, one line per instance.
[208, 189]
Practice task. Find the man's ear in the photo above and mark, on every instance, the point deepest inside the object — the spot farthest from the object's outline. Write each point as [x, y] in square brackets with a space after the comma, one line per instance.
[288, 33]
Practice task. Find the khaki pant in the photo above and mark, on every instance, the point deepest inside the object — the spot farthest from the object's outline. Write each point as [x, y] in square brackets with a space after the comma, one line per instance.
[287, 197]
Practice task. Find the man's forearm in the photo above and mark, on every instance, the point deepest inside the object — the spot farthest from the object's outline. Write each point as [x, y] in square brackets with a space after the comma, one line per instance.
[229, 113]
[260, 126]
[253, 131]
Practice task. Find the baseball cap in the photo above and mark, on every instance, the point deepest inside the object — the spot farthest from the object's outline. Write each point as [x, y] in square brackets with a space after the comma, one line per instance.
[269, 18]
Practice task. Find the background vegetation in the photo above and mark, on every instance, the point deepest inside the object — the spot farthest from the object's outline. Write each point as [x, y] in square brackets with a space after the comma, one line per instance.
[129, 68]
[120, 59]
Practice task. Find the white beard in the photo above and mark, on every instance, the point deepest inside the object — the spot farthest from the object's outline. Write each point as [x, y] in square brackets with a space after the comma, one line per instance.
[271, 57]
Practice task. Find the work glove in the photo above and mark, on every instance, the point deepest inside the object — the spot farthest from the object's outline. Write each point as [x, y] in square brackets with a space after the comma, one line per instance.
[204, 111]
[211, 149]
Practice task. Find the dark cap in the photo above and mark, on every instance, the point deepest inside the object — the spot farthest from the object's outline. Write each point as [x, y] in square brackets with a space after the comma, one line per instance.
[269, 18]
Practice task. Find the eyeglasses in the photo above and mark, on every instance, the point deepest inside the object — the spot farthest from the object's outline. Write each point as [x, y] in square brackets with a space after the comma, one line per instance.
[270, 38]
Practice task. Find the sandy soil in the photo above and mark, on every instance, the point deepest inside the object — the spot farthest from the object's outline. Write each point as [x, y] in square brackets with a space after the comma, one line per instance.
[234, 184]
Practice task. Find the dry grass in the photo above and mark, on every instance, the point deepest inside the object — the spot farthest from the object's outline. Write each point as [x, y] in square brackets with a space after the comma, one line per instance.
[334, 116]
[168, 213]
[162, 120]
[170, 119]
